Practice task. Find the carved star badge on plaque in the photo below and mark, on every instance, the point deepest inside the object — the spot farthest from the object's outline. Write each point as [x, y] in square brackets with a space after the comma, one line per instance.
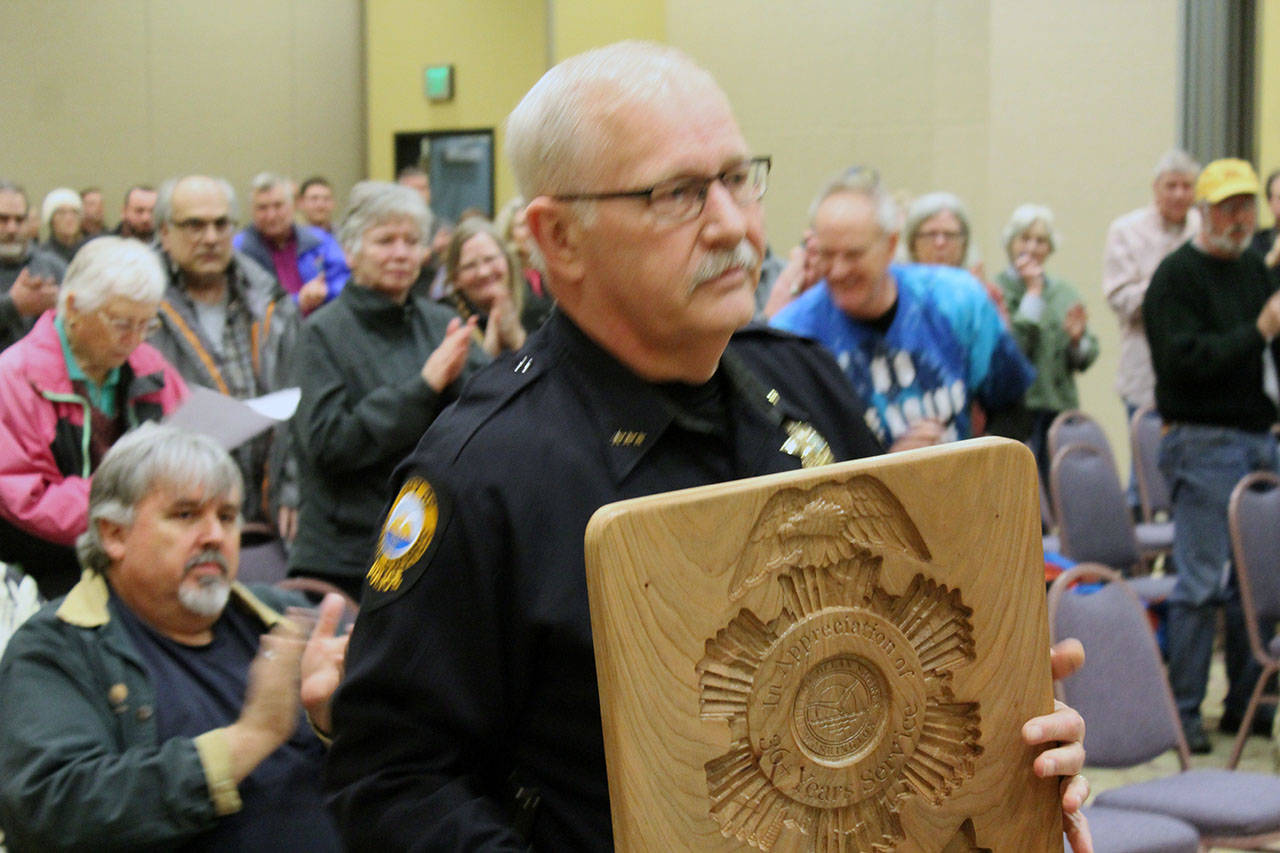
[841, 705]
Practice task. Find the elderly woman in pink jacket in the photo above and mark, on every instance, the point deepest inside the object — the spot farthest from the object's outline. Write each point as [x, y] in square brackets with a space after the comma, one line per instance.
[75, 383]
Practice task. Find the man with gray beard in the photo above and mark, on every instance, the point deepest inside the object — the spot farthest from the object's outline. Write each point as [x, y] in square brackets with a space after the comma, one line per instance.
[158, 705]
[1212, 317]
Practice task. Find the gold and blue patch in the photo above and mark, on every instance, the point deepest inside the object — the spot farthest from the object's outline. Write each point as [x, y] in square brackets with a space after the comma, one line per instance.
[406, 534]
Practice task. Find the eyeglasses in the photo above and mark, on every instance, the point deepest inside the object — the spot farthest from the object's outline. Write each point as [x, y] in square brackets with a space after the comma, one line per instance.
[196, 227]
[123, 327]
[681, 199]
[945, 236]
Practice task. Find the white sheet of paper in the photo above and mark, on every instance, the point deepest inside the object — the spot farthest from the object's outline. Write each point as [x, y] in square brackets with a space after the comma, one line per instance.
[229, 421]
[278, 405]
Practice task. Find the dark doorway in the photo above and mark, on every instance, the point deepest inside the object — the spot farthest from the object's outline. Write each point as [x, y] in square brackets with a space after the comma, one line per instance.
[460, 164]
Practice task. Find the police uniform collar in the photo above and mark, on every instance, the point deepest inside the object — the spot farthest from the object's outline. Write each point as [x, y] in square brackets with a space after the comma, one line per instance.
[631, 413]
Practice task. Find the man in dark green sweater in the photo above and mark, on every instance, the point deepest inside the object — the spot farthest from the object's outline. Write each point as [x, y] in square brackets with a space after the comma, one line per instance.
[1212, 320]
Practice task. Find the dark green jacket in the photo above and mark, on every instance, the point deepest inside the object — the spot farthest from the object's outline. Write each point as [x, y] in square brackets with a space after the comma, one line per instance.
[364, 406]
[80, 766]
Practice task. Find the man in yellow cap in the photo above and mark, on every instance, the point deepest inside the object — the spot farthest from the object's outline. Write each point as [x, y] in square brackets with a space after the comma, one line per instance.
[1212, 318]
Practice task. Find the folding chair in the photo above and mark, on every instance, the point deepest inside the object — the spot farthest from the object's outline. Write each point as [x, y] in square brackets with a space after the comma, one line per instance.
[1093, 520]
[1253, 516]
[1130, 718]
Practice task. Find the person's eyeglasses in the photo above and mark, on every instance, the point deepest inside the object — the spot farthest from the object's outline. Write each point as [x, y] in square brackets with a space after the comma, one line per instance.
[682, 199]
[123, 327]
[195, 227]
[945, 236]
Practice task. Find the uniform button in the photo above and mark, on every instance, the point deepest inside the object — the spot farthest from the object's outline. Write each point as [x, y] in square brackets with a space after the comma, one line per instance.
[144, 713]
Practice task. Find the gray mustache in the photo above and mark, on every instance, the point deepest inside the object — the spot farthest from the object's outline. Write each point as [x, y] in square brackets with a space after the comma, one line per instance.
[744, 255]
[208, 555]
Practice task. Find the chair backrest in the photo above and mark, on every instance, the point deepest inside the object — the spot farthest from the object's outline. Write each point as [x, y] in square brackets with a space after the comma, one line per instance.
[1145, 430]
[1093, 519]
[1253, 516]
[1076, 427]
[1122, 690]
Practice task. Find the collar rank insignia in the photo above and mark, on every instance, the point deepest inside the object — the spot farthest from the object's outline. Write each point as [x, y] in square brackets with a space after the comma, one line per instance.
[406, 534]
[806, 443]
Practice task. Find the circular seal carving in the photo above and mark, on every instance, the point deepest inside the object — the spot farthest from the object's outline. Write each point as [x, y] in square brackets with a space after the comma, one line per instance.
[840, 708]
[843, 692]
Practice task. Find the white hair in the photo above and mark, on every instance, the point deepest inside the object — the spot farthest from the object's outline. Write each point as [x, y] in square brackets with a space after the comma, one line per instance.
[139, 462]
[1026, 215]
[1178, 161]
[859, 180]
[111, 266]
[555, 135]
[373, 203]
[929, 205]
[264, 181]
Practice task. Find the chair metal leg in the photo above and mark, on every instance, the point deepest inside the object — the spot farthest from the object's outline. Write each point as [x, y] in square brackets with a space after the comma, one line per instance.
[1246, 722]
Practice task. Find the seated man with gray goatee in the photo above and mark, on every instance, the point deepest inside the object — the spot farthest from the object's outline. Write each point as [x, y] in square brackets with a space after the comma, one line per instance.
[157, 705]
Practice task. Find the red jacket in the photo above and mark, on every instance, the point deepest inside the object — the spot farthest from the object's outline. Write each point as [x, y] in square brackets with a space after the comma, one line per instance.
[44, 469]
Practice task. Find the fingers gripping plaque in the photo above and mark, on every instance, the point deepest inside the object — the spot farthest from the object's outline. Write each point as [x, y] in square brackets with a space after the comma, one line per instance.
[840, 705]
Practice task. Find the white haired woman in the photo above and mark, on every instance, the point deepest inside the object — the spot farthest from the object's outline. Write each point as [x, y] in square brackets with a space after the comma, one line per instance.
[376, 365]
[75, 383]
[1048, 320]
[937, 231]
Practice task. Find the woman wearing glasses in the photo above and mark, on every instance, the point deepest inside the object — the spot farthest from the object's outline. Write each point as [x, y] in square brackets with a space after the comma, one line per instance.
[80, 379]
[484, 279]
[937, 232]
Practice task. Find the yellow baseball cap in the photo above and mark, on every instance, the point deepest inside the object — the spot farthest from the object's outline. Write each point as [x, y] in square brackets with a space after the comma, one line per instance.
[1224, 178]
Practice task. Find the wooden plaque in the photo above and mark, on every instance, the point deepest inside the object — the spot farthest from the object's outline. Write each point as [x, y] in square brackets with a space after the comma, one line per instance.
[833, 659]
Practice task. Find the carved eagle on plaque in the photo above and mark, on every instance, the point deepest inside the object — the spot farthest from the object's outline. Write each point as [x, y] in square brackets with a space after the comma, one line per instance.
[819, 526]
[841, 705]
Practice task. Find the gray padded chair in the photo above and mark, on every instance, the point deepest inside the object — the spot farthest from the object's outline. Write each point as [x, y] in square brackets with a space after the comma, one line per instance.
[1154, 538]
[1121, 831]
[1253, 516]
[1093, 519]
[1130, 718]
[1145, 432]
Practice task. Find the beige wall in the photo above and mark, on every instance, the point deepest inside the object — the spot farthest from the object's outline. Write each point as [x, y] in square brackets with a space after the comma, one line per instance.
[1267, 96]
[1000, 101]
[497, 47]
[115, 92]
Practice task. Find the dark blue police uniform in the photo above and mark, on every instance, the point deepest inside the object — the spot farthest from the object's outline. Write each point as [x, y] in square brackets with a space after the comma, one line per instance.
[471, 675]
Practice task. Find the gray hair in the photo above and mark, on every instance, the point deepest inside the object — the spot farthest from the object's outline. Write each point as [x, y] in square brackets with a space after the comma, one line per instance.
[859, 180]
[1176, 160]
[373, 203]
[264, 181]
[111, 266]
[163, 211]
[1026, 215]
[7, 186]
[929, 205]
[142, 460]
[554, 136]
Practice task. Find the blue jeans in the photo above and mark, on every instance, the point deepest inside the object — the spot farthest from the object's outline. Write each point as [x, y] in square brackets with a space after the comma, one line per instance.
[1203, 464]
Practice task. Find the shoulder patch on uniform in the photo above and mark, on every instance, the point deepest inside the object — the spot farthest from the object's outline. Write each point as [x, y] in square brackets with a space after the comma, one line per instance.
[407, 533]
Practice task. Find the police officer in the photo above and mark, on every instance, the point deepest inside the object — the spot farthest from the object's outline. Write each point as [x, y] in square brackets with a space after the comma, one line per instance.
[469, 718]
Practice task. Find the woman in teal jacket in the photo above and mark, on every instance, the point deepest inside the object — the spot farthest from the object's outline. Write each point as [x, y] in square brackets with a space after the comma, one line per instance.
[1048, 321]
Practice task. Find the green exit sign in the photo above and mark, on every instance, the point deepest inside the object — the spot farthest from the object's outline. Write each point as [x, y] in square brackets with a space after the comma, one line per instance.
[438, 82]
